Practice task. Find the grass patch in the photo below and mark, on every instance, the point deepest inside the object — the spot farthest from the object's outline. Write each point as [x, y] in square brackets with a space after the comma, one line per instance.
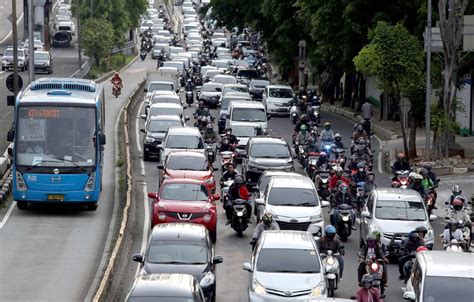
[115, 62]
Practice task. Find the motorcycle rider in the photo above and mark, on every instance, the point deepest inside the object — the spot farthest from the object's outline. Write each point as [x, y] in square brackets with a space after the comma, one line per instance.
[302, 138]
[353, 162]
[342, 196]
[237, 190]
[230, 173]
[409, 247]
[456, 191]
[117, 81]
[416, 185]
[312, 148]
[338, 141]
[303, 121]
[358, 133]
[431, 173]
[267, 224]
[333, 182]
[210, 136]
[451, 232]
[322, 160]
[225, 145]
[409, 264]
[361, 175]
[367, 293]
[401, 164]
[199, 110]
[370, 183]
[312, 117]
[459, 214]
[189, 85]
[428, 184]
[232, 138]
[329, 242]
[370, 250]
[327, 135]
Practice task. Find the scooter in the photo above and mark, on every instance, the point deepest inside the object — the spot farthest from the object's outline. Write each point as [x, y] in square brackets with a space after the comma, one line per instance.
[143, 54]
[116, 90]
[311, 167]
[375, 268]
[331, 271]
[344, 221]
[401, 181]
[323, 181]
[226, 157]
[189, 97]
[239, 216]
[211, 151]
[294, 115]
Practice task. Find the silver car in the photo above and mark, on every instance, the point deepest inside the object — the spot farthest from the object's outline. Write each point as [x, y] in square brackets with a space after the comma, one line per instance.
[395, 213]
[285, 266]
[43, 61]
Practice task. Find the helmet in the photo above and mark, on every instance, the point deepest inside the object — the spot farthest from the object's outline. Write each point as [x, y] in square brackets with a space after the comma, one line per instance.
[267, 218]
[239, 180]
[421, 229]
[343, 187]
[359, 128]
[360, 165]
[337, 169]
[401, 156]
[371, 176]
[327, 125]
[377, 235]
[304, 118]
[458, 203]
[367, 281]
[228, 130]
[423, 172]
[353, 157]
[311, 111]
[189, 80]
[415, 236]
[421, 249]
[338, 136]
[330, 231]
[303, 128]
[371, 241]
[209, 127]
[456, 190]
[116, 74]
[417, 177]
[206, 110]
[323, 154]
[201, 104]
[312, 140]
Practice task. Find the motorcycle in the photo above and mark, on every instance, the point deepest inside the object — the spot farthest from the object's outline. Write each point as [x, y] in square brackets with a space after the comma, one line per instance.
[344, 221]
[360, 196]
[116, 90]
[239, 216]
[311, 167]
[294, 115]
[317, 113]
[331, 271]
[226, 157]
[430, 200]
[340, 157]
[143, 54]
[375, 268]
[211, 151]
[454, 246]
[402, 180]
[323, 184]
[189, 97]
[302, 154]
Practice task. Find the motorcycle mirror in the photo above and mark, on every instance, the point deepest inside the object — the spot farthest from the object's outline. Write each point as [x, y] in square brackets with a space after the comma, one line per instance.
[142, 130]
[247, 267]
[160, 166]
[153, 195]
[409, 295]
[365, 214]
[325, 204]
[433, 217]
[260, 201]
[143, 116]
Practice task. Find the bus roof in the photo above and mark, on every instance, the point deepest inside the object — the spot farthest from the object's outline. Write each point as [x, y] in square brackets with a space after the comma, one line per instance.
[62, 90]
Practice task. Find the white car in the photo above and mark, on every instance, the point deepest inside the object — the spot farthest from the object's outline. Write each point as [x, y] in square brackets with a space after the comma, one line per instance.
[278, 99]
[7, 60]
[294, 203]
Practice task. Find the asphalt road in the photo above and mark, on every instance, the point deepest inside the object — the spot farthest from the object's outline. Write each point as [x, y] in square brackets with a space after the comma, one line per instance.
[53, 253]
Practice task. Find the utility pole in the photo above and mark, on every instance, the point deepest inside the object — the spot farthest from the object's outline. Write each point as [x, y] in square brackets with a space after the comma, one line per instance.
[428, 84]
[15, 49]
[31, 42]
[302, 63]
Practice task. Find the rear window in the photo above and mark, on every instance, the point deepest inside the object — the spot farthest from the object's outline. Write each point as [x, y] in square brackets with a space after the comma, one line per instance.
[297, 261]
[249, 115]
[281, 93]
[192, 163]
[61, 36]
[246, 73]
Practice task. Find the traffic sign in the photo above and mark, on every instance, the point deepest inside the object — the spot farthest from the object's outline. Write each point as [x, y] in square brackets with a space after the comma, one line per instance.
[9, 82]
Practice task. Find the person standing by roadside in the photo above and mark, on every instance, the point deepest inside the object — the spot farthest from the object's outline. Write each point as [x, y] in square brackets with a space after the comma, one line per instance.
[367, 113]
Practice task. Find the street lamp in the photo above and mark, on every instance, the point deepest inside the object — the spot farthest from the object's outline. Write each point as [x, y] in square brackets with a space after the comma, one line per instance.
[428, 84]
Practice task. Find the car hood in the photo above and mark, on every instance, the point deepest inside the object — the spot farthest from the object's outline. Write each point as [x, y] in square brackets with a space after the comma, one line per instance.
[294, 212]
[157, 135]
[288, 281]
[272, 162]
[397, 226]
[243, 140]
[280, 100]
[187, 174]
[209, 93]
[197, 270]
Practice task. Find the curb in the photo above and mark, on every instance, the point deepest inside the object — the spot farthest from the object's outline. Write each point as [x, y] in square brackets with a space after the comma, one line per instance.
[109, 74]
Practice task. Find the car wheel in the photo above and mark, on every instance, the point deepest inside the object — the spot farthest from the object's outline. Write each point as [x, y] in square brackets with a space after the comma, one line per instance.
[213, 235]
[22, 205]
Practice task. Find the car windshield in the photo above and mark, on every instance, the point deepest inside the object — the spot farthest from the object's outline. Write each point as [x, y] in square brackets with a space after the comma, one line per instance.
[60, 36]
[269, 151]
[160, 86]
[41, 56]
[281, 93]
[247, 73]
[400, 210]
[161, 299]
[184, 192]
[8, 53]
[184, 142]
[193, 163]
[249, 115]
[244, 131]
[169, 100]
[147, 24]
[176, 253]
[438, 289]
[162, 125]
[211, 88]
[292, 197]
[165, 111]
[259, 83]
[236, 89]
[299, 261]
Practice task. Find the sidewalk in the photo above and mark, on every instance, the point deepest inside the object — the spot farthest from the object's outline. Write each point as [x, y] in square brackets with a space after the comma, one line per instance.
[389, 132]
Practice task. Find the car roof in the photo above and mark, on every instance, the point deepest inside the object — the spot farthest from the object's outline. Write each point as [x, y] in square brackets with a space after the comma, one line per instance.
[280, 173]
[247, 104]
[394, 194]
[184, 131]
[166, 96]
[295, 182]
[269, 139]
[235, 85]
[435, 264]
[166, 105]
[42, 51]
[245, 124]
[179, 231]
[182, 181]
[190, 153]
[164, 118]
[286, 239]
[164, 285]
[280, 86]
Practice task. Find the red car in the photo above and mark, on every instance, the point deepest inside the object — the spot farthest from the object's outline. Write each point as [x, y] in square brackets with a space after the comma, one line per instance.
[185, 200]
[189, 165]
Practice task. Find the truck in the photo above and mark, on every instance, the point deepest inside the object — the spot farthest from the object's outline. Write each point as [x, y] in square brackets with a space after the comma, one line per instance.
[165, 78]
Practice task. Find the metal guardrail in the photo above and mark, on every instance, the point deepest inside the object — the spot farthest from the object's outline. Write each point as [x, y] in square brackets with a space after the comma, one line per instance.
[128, 45]
[83, 71]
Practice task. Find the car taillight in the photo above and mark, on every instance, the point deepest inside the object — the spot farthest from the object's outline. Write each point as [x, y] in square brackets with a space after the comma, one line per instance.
[209, 179]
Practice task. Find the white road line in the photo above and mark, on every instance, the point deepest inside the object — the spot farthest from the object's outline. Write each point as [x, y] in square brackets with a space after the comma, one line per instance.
[379, 157]
[10, 33]
[7, 215]
[137, 128]
[6, 114]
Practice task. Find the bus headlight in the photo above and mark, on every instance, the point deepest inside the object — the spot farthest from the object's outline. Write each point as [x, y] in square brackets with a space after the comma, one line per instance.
[20, 182]
[89, 187]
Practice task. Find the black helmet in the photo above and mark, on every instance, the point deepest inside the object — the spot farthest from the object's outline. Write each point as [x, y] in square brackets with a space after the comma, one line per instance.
[206, 110]
[201, 104]
[424, 172]
[338, 137]
[239, 180]
[415, 236]
[367, 281]
[421, 229]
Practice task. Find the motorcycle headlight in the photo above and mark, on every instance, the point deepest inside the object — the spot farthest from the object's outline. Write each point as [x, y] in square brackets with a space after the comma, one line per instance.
[208, 279]
[330, 261]
[258, 288]
[345, 218]
[318, 290]
[149, 139]
[374, 266]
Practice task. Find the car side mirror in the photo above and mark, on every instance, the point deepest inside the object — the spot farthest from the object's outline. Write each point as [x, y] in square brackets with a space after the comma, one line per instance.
[433, 217]
[187, 118]
[10, 135]
[260, 201]
[160, 166]
[325, 203]
[365, 214]
[269, 117]
[153, 195]
[409, 295]
[247, 267]
[145, 90]
[142, 130]
[217, 259]
[143, 116]
[102, 139]
[137, 258]
[216, 197]
[215, 169]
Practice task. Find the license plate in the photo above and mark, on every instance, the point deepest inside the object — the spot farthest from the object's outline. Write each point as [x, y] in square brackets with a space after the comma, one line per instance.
[56, 197]
[282, 109]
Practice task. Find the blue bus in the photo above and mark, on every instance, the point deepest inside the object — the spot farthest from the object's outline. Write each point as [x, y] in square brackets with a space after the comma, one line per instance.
[58, 136]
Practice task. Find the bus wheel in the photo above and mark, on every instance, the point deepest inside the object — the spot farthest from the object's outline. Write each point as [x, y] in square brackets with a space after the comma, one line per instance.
[91, 207]
[22, 205]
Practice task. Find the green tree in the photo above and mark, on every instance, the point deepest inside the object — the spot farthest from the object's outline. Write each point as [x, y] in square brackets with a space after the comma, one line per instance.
[97, 39]
[395, 57]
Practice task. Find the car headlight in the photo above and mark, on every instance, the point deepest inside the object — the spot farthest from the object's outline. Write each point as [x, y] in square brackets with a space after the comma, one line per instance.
[206, 218]
[89, 187]
[209, 180]
[258, 288]
[208, 279]
[149, 139]
[161, 216]
[318, 290]
[316, 218]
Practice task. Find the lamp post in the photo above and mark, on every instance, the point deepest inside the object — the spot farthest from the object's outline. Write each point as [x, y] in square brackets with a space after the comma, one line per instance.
[428, 84]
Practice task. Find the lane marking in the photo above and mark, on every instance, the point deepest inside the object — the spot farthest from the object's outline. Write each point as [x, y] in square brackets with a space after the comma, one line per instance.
[379, 157]
[137, 128]
[7, 215]
[10, 33]
[6, 114]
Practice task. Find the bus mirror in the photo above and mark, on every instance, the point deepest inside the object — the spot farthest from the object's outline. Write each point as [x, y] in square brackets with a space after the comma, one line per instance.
[10, 135]
[102, 139]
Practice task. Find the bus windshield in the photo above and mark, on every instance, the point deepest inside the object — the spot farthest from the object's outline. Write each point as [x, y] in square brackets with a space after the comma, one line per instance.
[50, 136]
